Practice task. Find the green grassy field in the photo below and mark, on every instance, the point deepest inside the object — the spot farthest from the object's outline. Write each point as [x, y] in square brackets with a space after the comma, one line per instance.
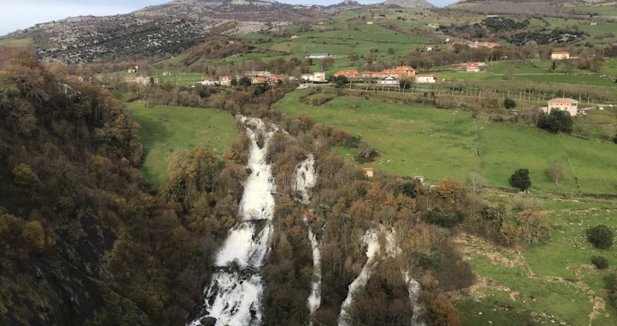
[421, 140]
[165, 129]
[563, 284]
[539, 71]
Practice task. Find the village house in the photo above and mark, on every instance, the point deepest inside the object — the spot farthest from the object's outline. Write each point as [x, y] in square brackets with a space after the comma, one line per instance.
[369, 172]
[372, 75]
[401, 72]
[560, 55]
[472, 67]
[265, 74]
[320, 55]
[350, 74]
[317, 77]
[425, 79]
[274, 79]
[562, 104]
[388, 81]
[258, 80]
[370, 22]
[225, 80]
[207, 82]
[397, 72]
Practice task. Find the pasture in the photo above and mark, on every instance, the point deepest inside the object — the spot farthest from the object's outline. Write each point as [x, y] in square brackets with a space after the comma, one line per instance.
[416, 139]
[552, 281]
[165, 129]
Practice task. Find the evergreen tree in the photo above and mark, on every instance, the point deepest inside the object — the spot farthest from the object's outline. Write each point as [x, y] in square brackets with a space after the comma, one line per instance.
[520, 179]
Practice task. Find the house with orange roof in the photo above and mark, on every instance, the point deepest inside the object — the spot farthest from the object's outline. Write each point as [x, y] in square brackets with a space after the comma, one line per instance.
[258, 80]
[350, 74]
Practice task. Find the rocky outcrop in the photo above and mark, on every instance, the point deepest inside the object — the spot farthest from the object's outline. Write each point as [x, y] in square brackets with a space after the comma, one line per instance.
[160, 30]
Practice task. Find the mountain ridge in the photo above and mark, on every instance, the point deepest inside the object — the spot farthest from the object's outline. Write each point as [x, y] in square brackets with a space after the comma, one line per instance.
[164, 29]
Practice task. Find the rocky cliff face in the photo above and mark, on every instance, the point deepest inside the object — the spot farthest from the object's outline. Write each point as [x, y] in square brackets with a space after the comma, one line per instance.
[157, 30]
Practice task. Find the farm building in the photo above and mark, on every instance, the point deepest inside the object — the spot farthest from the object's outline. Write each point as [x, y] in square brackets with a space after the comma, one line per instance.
[560, 55]
[370, 172]
[390, 81]
[320, 55]
[425, 79]
[562, 104]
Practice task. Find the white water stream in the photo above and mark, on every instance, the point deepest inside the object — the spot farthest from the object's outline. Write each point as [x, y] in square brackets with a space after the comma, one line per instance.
[372, 242]
[233, 296]
[306, 178]
[371, 239]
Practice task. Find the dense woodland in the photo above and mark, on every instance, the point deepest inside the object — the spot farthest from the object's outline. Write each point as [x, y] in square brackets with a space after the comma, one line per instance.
[84, 241]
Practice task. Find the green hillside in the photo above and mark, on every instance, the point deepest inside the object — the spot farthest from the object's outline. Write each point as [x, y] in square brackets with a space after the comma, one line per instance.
[165, 129]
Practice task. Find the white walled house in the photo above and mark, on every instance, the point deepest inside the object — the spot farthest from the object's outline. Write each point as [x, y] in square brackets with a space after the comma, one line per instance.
[207, 82]
[562, 104]
[225, 80]
[425, 79]
[560, 55]
[316, 77]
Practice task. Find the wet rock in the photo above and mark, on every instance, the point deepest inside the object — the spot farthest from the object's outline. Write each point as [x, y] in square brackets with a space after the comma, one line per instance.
[208, 321]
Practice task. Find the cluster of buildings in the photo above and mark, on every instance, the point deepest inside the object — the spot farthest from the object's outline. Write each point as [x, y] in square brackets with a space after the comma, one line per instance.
[391, 76]
[400, 72]
[257, 78]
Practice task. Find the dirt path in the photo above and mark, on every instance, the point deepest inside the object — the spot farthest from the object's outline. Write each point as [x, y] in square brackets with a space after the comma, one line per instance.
[512, 257]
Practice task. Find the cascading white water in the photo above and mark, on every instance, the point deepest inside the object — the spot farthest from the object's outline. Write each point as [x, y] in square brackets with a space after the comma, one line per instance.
[371, 240]
[233, 297]
[413, 286]
[314, 300]
[306, 178]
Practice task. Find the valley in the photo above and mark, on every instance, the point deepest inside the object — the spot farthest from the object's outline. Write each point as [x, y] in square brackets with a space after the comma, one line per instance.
[254, 162]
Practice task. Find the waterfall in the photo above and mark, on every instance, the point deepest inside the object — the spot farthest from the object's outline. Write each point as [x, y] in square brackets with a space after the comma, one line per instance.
[306, 178]
[371, 240]
[233, 296]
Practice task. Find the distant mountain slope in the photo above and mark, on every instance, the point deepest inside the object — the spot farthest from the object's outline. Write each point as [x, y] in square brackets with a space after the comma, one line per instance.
[164, 29]
[409, 3]
[522, 7]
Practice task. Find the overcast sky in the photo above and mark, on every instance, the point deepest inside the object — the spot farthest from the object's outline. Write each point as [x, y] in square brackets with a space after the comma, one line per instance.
[19, 14]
